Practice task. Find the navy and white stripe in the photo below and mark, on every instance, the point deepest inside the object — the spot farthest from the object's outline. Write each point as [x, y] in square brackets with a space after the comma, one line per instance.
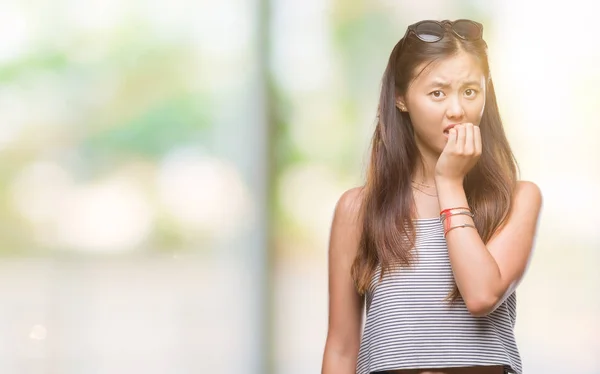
[410, 325]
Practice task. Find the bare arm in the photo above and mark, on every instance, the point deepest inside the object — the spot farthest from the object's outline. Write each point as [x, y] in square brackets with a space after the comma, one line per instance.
[486, 275]
[345, 304]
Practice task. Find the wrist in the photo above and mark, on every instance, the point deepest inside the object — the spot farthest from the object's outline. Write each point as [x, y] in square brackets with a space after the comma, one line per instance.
[444, 182]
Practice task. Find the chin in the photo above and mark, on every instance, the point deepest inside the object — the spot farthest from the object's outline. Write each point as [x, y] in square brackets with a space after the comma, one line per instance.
[434, 151]
[440, 149]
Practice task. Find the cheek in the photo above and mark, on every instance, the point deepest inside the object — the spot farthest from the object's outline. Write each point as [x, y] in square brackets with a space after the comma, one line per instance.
[481, 107]
[427, 115]
[425, 127]
[475, 111]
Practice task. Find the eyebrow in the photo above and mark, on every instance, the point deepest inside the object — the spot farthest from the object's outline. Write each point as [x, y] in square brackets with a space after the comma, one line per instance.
[444, 84]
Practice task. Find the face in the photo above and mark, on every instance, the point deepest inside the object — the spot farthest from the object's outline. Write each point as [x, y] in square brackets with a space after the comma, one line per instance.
[448, 92]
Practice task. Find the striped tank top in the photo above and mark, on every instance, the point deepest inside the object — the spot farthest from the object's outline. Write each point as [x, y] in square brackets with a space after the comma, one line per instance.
[409, 325]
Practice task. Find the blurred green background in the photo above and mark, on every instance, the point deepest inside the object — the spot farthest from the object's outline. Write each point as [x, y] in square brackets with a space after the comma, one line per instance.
[169, 171]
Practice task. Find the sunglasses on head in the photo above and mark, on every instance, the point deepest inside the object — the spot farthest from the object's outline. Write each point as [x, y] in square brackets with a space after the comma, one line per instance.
[433, 31]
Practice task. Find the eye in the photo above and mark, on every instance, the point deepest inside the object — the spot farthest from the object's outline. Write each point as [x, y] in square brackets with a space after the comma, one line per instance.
[470, 92]
[437, 94]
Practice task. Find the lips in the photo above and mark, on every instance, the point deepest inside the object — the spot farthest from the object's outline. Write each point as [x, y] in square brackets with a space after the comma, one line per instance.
[447, 129]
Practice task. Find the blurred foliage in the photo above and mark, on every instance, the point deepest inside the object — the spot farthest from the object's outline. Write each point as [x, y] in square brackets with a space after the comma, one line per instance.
[126, 95]
[155, 131]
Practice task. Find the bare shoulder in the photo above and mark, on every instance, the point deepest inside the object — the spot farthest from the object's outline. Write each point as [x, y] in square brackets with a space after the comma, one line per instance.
[349, 205]
[347, 224]
[528, 196]
[525, 209]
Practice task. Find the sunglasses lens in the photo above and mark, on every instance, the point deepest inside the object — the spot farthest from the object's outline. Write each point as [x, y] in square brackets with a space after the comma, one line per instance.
[467, 29]
[429, 31]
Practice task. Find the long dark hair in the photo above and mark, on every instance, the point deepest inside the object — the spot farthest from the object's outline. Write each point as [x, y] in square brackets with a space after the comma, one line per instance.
[387, 208]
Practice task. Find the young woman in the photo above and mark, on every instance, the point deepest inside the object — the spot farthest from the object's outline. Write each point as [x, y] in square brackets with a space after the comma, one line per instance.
[436, 241]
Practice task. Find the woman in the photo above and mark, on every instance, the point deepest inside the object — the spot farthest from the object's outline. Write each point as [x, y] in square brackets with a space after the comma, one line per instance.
[436, 241]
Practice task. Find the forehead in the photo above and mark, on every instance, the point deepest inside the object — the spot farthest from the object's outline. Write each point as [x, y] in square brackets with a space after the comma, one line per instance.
[455, 69]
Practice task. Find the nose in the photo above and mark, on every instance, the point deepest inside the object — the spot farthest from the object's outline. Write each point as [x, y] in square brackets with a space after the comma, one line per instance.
[455, 109]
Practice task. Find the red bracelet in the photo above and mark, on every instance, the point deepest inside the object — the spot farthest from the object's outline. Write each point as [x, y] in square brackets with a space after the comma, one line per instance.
[451, 209]
[446, 215]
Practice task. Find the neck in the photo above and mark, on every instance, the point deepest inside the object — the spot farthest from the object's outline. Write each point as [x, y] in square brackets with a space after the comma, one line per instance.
[425, 171]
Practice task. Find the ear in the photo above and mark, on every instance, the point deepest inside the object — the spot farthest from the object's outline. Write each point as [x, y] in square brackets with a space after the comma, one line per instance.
[401, 104]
